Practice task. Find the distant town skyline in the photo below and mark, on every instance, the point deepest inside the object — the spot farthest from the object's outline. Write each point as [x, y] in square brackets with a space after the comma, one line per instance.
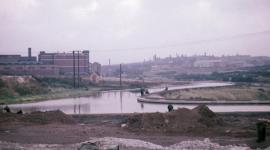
[125, 31]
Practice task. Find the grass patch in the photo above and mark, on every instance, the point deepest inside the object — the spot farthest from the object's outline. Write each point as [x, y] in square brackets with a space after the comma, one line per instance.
[56, 93]
[235, 93]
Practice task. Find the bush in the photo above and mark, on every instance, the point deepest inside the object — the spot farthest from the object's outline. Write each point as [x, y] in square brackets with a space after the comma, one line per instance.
[5, 92]
[23, 90]
[57, 82]
[2, 83]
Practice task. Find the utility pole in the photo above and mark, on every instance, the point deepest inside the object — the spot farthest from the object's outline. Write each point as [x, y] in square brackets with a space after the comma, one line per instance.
[74, 78]
[121, 75]
[89, 59]
[74, 68]
[143, 79]
[78, 69]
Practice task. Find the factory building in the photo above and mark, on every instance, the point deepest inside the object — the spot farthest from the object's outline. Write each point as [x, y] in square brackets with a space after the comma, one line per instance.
[67, 62]
[29, 69]
[48, 64]
[18, 59]
[96, 68]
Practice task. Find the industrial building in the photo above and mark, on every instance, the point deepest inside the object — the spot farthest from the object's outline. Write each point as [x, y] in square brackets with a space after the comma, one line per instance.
[96, 68]
[48, 64]
[18, 59]
[67, 62]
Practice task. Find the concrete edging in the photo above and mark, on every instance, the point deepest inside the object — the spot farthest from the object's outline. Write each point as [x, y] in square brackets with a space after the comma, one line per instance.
[190, 102]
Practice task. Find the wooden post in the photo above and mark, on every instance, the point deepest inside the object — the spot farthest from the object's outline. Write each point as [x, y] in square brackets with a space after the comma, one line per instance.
[121, 75]
[78, 69]
[74, 78]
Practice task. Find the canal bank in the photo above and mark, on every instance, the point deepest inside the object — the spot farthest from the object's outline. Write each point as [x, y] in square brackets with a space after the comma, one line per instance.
[124, 101]
[27, 89]
[205, 102]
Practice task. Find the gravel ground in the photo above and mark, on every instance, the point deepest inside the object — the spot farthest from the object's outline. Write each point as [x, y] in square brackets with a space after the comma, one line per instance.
[128, 144]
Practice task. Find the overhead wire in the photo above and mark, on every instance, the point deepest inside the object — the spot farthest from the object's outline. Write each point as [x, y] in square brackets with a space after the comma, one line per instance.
[218, 39]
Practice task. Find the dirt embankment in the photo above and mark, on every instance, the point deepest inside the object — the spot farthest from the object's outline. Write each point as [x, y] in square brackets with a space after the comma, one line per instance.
[165, 129]
[18, 89]
[14, 86]
[181, 120]
[235, 93]
[48, 117]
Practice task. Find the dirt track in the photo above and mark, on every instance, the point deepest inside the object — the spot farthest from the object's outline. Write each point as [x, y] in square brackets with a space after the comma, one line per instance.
[238, 128]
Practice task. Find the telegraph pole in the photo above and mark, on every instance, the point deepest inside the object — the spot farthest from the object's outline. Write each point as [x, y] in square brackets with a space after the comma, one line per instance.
[74, 68]
[74, 78]
[78, 69]
[121, 75]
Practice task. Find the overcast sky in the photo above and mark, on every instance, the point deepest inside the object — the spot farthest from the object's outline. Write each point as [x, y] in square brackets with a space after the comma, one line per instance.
[133, 30]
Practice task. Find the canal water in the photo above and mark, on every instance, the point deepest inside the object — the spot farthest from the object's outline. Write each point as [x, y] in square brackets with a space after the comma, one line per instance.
[125, 101]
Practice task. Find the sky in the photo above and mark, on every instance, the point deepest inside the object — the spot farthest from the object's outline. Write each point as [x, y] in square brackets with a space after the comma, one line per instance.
[125, 31]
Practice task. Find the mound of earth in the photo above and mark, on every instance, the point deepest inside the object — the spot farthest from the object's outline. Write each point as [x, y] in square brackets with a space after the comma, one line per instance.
[180, 120]
[37, 118]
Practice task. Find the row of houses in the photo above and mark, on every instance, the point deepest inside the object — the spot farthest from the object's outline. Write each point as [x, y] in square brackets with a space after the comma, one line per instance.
[49, 64]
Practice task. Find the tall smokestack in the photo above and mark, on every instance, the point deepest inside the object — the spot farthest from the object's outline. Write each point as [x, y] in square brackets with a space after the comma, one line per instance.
[29, 52]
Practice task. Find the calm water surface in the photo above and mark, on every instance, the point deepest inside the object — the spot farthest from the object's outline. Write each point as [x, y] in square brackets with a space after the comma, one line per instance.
[125, 102]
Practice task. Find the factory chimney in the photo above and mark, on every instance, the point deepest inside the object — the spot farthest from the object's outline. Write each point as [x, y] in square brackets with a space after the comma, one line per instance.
[29, 52]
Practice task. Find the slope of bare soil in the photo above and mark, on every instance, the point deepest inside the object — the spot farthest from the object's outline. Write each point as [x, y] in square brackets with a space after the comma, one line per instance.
[196, 124]
[182, 120]
[37, 118]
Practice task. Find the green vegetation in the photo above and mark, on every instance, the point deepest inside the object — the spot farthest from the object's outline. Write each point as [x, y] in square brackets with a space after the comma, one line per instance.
[2, 83]
[254, 74]
[56, 93]
[56, 82]
[30, 90]
[12, 88]
[17, 89]
[263, 94]
[235, 93]
[168, 73]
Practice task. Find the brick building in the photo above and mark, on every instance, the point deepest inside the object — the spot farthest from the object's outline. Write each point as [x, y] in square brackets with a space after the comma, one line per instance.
[29, 69]
[67, 62]
[96, 68]
[18, 59]
[48, 64]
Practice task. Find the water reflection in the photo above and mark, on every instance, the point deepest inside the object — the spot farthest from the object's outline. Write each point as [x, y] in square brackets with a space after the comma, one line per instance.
[75, 109]
[122, 102]
[142, 106]
[96, 95]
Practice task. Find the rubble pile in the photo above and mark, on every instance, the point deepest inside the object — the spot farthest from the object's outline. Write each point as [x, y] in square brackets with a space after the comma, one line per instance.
[130, 144]
[206, 144]
[37, 117]
[180, 120]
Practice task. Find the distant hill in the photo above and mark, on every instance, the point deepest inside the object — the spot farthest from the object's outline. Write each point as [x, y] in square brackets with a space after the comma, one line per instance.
[186, 66]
